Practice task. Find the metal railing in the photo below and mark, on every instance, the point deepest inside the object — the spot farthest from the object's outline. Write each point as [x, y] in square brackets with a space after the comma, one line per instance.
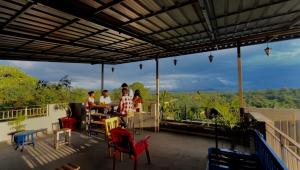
[268, 158]
[284, 146]
[7, 115]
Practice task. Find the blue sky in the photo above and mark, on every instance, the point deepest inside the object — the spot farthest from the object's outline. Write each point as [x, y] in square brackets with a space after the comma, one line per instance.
[193, 72]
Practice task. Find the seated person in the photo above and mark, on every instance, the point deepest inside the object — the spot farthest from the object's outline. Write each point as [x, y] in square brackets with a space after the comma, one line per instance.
[105, 102]
[90, 103]
[137, 101]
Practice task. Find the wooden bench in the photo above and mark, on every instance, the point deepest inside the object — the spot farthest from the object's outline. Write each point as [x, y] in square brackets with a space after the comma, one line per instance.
[42, 130]
[69, 166]
[12, 134]
[56, 137]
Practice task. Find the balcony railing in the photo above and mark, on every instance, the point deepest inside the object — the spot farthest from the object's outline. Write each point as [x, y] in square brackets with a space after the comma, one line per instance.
[7, 115]
[284, 146]
[268, 159]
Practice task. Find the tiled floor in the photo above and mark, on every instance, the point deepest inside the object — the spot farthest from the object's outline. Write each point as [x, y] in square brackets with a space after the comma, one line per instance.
[168, 151]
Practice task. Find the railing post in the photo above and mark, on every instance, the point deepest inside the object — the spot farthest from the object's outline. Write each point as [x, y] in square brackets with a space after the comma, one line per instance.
[281, 148]
[26, 111]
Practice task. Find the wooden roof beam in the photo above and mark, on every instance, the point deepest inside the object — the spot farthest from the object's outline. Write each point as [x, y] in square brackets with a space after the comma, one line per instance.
[48, 33]
[20, 12]
[106, 6]
[205, 9]
[86, 13]
[36, 53]
[31, 37]
[163, 10]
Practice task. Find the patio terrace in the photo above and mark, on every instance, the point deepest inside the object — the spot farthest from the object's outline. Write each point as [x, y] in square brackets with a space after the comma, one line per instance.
[167, 151]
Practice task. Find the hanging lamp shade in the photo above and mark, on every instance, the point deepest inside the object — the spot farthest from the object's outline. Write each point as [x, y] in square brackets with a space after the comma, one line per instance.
[210, 58]
[112, 69]
[268, 51]
[141, 66]
[175, 62]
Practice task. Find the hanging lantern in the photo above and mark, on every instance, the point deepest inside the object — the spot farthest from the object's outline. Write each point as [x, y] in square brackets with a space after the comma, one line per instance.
[141, 66]
[112, 69]
[175, 62]
[210, 58]
[268, 51]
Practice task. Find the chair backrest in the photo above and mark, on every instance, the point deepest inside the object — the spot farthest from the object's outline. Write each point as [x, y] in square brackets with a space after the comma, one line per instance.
[110, 124]
[123, 140]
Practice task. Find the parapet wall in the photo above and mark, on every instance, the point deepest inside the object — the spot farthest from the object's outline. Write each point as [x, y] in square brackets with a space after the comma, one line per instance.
[34, 123]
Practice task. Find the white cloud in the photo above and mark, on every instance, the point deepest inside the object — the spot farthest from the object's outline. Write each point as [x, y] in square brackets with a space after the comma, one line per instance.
[22, 64]
[92, 83]
[225, 82]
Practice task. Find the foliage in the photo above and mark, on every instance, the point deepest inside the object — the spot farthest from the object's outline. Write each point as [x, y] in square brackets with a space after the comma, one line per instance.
[17, 124]
[16, 87]
[116, 94]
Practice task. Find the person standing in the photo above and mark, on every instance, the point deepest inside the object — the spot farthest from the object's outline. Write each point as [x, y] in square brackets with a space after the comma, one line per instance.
[137, 101]
[130, 91]
[125, 106]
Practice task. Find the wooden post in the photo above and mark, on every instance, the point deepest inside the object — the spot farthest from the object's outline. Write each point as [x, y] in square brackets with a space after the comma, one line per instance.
[239, 62]
[157, 120]
[102, 77]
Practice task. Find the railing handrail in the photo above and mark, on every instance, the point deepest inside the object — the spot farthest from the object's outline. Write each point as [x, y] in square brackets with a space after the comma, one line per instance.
[7, 115]
[284, 135]
[286, 147]
[275, 157]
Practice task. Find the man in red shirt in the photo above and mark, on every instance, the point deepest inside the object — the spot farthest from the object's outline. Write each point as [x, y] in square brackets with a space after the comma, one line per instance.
[125, 105]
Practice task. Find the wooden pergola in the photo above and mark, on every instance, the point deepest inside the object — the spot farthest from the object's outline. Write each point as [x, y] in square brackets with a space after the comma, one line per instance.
[123, 31]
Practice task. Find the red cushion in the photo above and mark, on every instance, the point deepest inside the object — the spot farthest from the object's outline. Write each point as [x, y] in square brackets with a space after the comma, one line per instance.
[68, 122]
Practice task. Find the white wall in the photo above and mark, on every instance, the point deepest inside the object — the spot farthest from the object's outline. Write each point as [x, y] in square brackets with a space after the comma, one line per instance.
[34, 123]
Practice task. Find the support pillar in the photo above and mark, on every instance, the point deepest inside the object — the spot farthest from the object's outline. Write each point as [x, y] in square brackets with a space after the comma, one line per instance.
[102, 77]
[240, 79]
[157, 117]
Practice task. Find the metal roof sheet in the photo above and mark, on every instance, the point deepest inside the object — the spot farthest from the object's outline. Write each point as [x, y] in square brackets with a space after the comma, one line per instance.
[121, 31]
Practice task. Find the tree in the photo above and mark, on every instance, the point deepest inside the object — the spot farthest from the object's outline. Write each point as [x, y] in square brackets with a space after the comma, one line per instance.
[16, 88]
[116, 93]
[140, 86]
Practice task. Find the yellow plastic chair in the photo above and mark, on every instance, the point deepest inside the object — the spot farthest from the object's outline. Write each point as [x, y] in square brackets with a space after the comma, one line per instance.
[110, 124]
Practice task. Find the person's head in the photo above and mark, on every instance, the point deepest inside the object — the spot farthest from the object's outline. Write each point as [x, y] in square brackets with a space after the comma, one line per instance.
[91, 93]
[137, 93]
[124, 86]
[125, 92]
[105, 93]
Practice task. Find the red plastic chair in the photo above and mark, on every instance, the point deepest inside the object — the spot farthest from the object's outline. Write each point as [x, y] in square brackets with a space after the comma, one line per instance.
[124, 143]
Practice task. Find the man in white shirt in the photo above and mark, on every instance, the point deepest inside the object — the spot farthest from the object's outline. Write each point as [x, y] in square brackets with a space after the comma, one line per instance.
[105, 102]
[105, 99]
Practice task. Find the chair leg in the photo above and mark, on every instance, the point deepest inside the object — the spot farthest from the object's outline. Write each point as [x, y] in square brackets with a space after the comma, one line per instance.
[114, 162]
[121, 156]
[109, 150]
[135, 164]
[148, 156]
